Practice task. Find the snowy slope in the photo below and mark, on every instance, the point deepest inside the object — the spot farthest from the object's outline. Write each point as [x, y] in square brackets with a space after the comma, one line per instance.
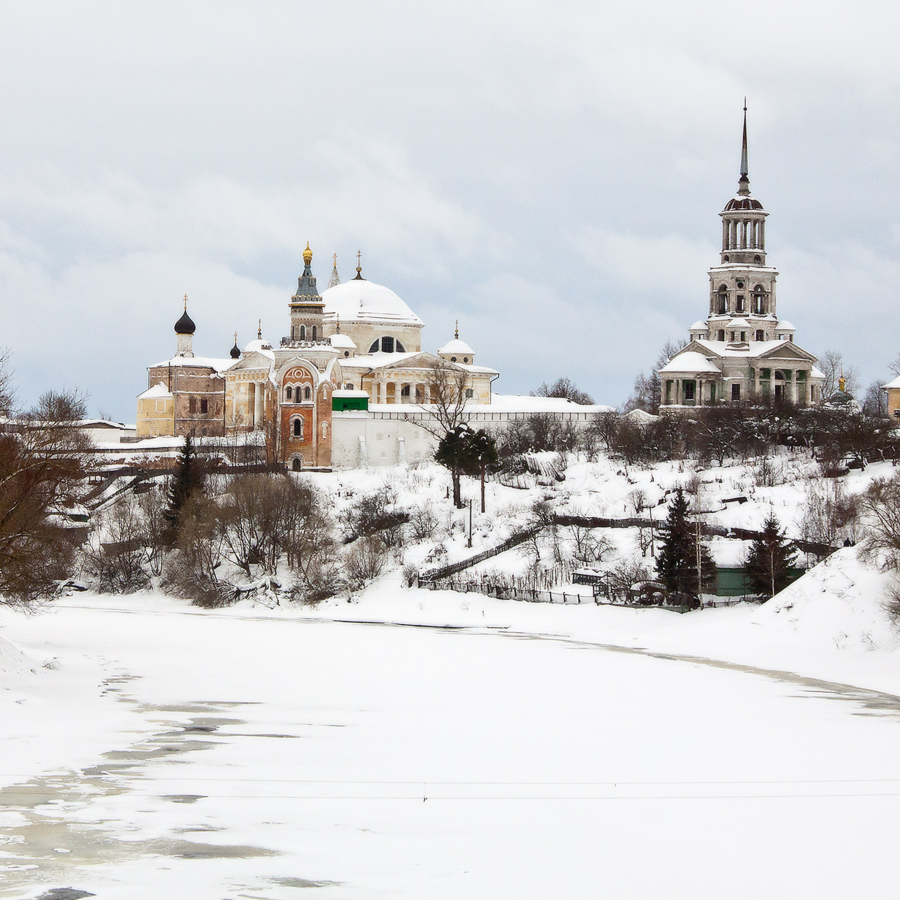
[839, 603]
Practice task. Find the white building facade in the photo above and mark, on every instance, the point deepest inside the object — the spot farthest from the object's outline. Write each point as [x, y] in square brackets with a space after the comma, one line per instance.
[742, 350]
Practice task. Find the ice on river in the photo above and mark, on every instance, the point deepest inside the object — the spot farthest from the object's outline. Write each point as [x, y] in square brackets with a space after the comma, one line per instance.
[210, 756]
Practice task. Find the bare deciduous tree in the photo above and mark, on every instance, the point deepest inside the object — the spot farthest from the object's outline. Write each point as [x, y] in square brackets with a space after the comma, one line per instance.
[832, 364]
[565, 389]
[647, 388]
[447, 385]
[41, 468]
[880, 510]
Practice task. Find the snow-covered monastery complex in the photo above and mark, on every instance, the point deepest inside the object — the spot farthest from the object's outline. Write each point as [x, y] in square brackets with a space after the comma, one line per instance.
[742, 349]
[347, 387]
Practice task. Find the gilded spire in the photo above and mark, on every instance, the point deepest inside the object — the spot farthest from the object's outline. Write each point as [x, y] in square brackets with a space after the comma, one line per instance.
[359, 266]
[185, 302]
[744, 180]
[259, 331]
[456, 330]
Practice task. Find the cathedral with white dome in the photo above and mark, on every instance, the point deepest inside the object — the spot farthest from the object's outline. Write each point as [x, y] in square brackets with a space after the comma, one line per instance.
[743, 349]
[354, 352]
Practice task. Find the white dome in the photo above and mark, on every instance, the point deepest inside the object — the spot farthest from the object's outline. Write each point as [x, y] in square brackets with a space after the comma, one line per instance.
[358, 299]
[784, 325]
[460, 348]
[260, 346]
[698, 326]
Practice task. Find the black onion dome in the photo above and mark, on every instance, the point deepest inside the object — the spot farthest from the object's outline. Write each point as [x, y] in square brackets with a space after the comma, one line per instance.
[743, 203]
[185, 325]
[235, 351]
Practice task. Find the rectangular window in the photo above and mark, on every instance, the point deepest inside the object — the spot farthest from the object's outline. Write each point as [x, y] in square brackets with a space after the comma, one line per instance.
[204, 405]
[735, 392]
[192, 405]
[689, 391]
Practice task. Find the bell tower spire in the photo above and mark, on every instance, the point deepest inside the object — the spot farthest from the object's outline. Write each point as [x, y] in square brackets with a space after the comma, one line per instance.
[742, 286]
[307, 307]
[744, 180]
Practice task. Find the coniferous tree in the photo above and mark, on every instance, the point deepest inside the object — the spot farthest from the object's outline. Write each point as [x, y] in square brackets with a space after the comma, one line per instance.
[684, 565]
[452, 453]
[768, 560]
[188, 479]
[481, 457]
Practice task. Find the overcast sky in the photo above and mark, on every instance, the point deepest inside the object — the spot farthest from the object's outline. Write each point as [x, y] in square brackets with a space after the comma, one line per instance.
[548, 173]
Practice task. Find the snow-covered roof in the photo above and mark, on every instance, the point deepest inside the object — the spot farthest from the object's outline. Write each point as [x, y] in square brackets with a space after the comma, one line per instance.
[103, 423]
[751, 349]
[690, 361]
[457, 346]
[522, 403]
[346, 392]
[477, 370]
[816, 373]
[784, 325]
[698, 326]
[158, 391]
[399, 360]
[893, 384]
[342, 342]
[739, 322]
[358, 299]
[202, 362]
[640, 417]
[377, 360]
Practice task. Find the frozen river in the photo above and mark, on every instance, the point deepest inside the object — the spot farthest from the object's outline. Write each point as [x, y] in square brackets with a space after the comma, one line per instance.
[219, 756]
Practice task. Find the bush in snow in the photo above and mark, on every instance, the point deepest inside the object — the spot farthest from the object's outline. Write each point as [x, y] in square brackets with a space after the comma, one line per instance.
[364, 561]
[829, 514]
[118, 548]
[375, 513]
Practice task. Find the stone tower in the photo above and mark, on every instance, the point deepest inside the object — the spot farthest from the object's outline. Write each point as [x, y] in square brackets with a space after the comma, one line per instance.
[307, 307]
[742, 286]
